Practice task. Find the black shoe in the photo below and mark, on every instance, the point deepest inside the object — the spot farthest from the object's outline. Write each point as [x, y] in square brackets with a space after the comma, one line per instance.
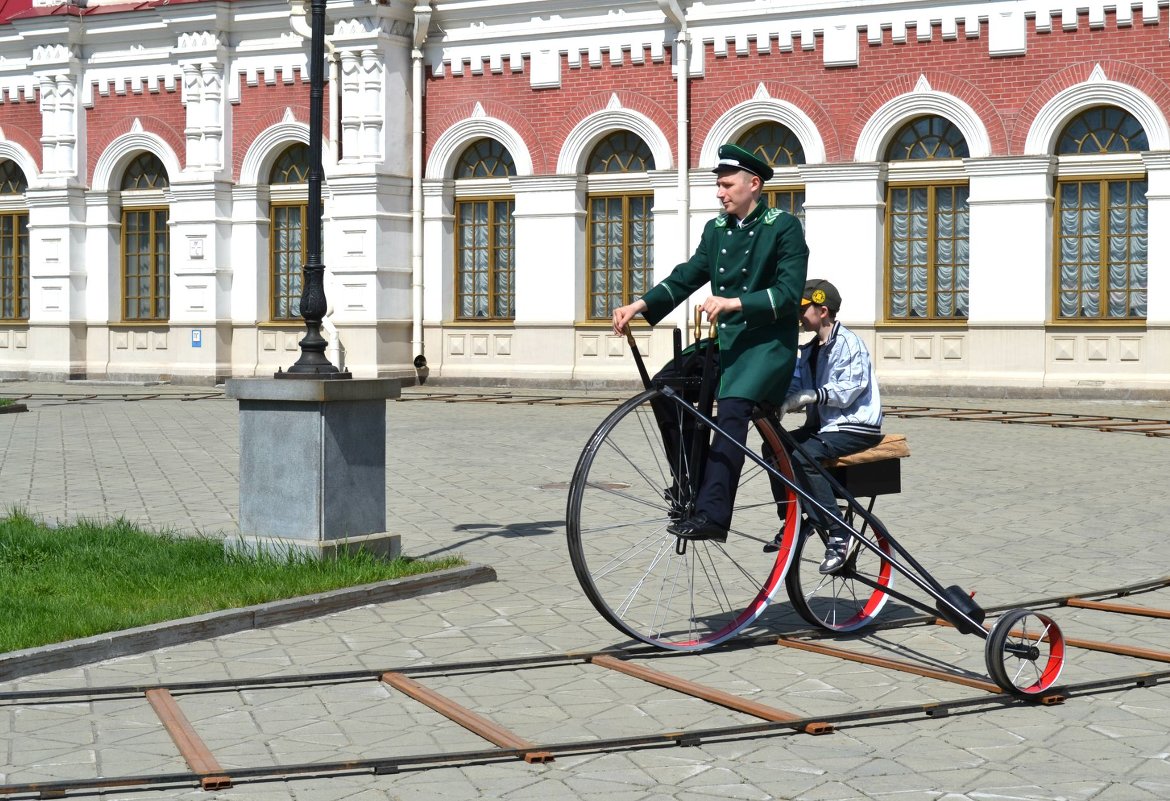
[698, 527]
[773, 545]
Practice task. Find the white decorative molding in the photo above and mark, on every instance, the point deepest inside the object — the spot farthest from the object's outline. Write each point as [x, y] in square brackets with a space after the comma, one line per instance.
[452, 141]
[203, 92]
[262, 153]
[882, 124]
[762, 108]
[11, 151]
[590, 130]
[115, 157]
[1097, 91]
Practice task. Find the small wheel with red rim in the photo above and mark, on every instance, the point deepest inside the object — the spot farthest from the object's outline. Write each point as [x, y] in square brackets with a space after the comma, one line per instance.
[1025, 652]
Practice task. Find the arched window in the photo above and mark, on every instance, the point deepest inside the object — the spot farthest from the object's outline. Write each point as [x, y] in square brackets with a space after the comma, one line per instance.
[1103, 129]
[620, 228]
[927, 223]
[620, 152]
[1102, 226]
[778, 145]
[146, 252]
[13, 243]
[485, 233]
[288, 213]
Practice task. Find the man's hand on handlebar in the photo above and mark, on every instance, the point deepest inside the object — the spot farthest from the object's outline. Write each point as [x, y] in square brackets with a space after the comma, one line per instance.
[715, 305]
[623, 314]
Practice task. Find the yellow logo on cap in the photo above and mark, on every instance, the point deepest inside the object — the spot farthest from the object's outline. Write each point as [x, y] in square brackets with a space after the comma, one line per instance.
[818, 297]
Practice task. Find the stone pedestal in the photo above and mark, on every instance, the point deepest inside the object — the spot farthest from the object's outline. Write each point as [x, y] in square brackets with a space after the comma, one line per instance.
[313, 465]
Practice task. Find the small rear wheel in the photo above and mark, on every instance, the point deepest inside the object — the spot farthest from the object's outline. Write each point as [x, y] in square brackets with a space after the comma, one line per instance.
[631, 481]
[1025, 652]
[850, 598]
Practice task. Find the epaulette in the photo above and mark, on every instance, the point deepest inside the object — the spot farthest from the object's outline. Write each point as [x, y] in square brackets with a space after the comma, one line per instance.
[721, 221]
[771, 214]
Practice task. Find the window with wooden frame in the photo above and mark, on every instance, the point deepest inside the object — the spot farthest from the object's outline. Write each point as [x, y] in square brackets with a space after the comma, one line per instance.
[485, 233]
[146, 252]
[927, 223]
[1102, 221]
[620, 224]
[14, 257]
[287, 216]
[778, 145]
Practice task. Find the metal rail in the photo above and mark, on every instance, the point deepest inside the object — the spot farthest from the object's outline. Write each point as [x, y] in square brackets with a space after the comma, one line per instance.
[206, 772]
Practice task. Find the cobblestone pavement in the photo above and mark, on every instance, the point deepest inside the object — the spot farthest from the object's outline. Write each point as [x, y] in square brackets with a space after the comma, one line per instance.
[1011, 511]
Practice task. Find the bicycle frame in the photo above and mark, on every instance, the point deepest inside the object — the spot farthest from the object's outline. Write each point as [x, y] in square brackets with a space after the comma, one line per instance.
[914, 572]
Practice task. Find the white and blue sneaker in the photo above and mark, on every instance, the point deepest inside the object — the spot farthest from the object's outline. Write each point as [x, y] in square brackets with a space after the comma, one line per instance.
[835, 555]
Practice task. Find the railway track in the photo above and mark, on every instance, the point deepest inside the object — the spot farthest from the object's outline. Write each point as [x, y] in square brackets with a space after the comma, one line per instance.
[1147, 426]
[653, 668]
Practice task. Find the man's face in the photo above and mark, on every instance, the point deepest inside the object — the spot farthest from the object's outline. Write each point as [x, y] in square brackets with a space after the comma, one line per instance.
[737, 191]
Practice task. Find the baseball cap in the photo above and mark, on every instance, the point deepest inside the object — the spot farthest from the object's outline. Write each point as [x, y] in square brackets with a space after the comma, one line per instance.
[822, 293]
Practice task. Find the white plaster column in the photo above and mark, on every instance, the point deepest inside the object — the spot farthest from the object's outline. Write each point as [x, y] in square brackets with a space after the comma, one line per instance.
[201, 278]
[57, 282]
[550, 254]
[845, 229]
[1158, 225]
[1010, 201]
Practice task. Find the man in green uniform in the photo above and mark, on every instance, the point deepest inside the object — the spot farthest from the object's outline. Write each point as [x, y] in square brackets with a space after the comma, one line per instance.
[755, 258]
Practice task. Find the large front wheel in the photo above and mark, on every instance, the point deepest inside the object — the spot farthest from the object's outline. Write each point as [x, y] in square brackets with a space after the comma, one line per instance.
[632, 479]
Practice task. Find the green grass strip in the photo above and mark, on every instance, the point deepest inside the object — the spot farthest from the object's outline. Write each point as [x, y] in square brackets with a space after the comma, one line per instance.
[89, 578]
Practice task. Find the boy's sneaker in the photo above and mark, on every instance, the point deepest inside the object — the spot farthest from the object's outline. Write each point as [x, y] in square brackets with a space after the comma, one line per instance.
[835, 555]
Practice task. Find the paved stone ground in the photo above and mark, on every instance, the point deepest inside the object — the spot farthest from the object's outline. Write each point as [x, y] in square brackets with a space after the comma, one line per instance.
[1012, 511]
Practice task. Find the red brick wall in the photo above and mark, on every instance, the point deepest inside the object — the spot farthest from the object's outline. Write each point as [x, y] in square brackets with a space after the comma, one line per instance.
[161, 113]
[1006, 92]
[262, 106]
[21, 122]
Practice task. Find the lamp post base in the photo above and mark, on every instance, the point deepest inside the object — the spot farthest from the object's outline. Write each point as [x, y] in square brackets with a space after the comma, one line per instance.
[313, 463]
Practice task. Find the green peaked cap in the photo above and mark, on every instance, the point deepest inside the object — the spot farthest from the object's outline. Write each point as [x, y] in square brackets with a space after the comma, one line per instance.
[734, 157]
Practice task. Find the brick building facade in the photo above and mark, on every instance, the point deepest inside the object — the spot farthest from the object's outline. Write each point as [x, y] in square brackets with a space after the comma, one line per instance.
[988, 182]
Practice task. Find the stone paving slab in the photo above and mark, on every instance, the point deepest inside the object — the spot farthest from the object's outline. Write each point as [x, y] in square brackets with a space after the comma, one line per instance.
[1011, 511]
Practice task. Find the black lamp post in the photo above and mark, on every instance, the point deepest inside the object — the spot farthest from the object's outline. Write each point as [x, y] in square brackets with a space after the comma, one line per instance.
[313, 363]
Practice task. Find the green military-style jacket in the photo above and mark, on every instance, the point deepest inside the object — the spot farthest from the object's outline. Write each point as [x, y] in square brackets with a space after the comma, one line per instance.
[762, 262]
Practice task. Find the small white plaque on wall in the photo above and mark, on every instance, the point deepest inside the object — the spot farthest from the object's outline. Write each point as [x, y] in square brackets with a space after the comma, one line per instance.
[195, 245]
[355, 243]
[51, 298]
